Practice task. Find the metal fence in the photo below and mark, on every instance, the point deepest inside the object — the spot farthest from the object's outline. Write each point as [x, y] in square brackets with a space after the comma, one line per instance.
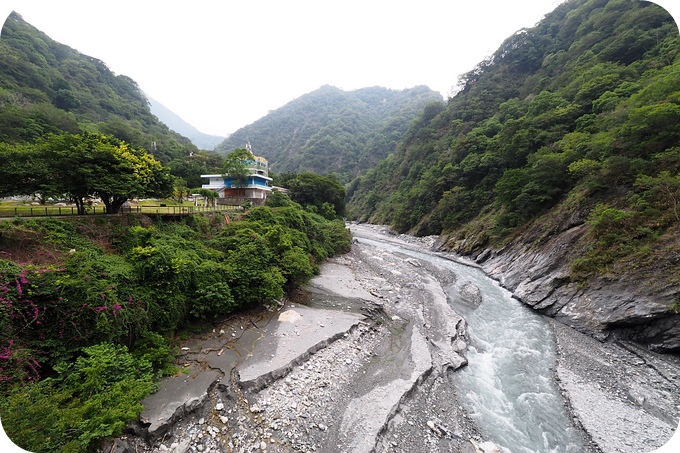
[49, 211]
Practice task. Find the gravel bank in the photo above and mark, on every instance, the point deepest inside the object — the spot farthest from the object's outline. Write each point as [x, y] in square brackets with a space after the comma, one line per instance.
[386, 385]
[625, 397]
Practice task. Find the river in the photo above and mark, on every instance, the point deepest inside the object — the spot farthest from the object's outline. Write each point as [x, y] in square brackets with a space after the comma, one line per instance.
[509, 383]
[396, 349]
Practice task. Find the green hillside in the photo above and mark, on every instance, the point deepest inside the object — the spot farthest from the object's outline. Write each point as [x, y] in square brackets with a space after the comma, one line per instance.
[333, 131]
[48, 87]
[573, 121]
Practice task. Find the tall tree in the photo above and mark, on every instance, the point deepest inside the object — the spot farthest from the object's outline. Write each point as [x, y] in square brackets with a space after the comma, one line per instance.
[236, 165]
[83, 167]
[310, 189]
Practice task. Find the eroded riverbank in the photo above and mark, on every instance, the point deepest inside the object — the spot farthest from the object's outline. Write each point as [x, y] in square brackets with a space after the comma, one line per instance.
[379, 382]
[385, 380]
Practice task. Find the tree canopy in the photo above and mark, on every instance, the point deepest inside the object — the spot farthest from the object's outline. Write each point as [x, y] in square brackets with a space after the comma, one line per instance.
[321, 194]
[589, 96]
[81, 167]
[577, 112]
[237, 165]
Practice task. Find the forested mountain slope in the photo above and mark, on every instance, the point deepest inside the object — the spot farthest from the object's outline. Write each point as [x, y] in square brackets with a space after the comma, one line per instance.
[556, 165]
[48, 87]
[333, 131]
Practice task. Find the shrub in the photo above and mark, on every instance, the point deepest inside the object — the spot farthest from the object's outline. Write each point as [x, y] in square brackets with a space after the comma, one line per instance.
[155, 349]
[213, 300]
[91, 399]
[252, 278]
[66, 323]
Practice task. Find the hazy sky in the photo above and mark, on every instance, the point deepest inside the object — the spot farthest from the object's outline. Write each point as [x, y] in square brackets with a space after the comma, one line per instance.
[221, 65]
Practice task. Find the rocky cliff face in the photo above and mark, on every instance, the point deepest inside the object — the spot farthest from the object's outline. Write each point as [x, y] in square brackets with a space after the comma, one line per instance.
[634, 304]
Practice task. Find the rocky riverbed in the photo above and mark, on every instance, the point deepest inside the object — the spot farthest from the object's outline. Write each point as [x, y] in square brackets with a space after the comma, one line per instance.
[380, 375]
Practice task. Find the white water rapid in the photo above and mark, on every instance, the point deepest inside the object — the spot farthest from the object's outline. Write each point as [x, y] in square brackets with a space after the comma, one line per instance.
[509, 384]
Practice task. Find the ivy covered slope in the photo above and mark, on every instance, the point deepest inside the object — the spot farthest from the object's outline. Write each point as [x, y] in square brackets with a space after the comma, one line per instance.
[333, 131]
[90, 309]
[47, 87]
[561, 152]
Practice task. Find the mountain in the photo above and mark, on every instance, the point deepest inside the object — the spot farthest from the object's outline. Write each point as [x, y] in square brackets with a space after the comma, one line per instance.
[333, 131]
[556, 166]
[48, 87]
[177, 124]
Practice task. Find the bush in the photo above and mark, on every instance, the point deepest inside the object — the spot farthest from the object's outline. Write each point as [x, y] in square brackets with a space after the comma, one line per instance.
[213, 300]
[155, 349]
[278, 199]
[252, 278]
[83, 338]
[91, 399]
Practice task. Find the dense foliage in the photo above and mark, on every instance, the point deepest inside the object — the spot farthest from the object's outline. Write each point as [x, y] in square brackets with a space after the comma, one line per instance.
[333, 131]
[319, 194]
[237, 164]
[579, 113]
[89, 308]
[82, 167]
[47, 87]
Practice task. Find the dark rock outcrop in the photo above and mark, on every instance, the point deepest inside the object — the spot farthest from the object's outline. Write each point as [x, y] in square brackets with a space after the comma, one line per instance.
[632, 305]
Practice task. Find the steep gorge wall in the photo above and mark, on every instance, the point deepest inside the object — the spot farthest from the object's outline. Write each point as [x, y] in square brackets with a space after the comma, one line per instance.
[632, 305]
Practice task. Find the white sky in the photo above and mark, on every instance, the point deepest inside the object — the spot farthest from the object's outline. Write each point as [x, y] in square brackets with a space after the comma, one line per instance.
[221, 65]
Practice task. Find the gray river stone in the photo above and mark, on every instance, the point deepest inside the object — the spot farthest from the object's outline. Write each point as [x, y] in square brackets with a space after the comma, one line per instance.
[265, 348]
[381, 377]
[360, 427]
[297, 332]
[176, 397]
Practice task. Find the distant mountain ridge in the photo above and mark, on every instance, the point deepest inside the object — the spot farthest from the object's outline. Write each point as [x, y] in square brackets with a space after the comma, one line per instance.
[178, 124]
[334, 131]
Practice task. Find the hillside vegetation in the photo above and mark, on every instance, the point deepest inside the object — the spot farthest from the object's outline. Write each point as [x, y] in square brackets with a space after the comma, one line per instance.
[47, 87]
[572, 121]
[90, 309]
[333, 131]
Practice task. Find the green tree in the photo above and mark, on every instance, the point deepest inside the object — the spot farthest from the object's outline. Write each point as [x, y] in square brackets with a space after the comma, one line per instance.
[312, 190]
[662, 190]
[90, 165]
[24, 172]
[278, 199]
[236, 165]
[209, 195]
[179, 189]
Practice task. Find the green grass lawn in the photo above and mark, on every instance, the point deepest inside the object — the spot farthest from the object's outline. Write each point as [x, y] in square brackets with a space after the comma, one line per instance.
[24, 209]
